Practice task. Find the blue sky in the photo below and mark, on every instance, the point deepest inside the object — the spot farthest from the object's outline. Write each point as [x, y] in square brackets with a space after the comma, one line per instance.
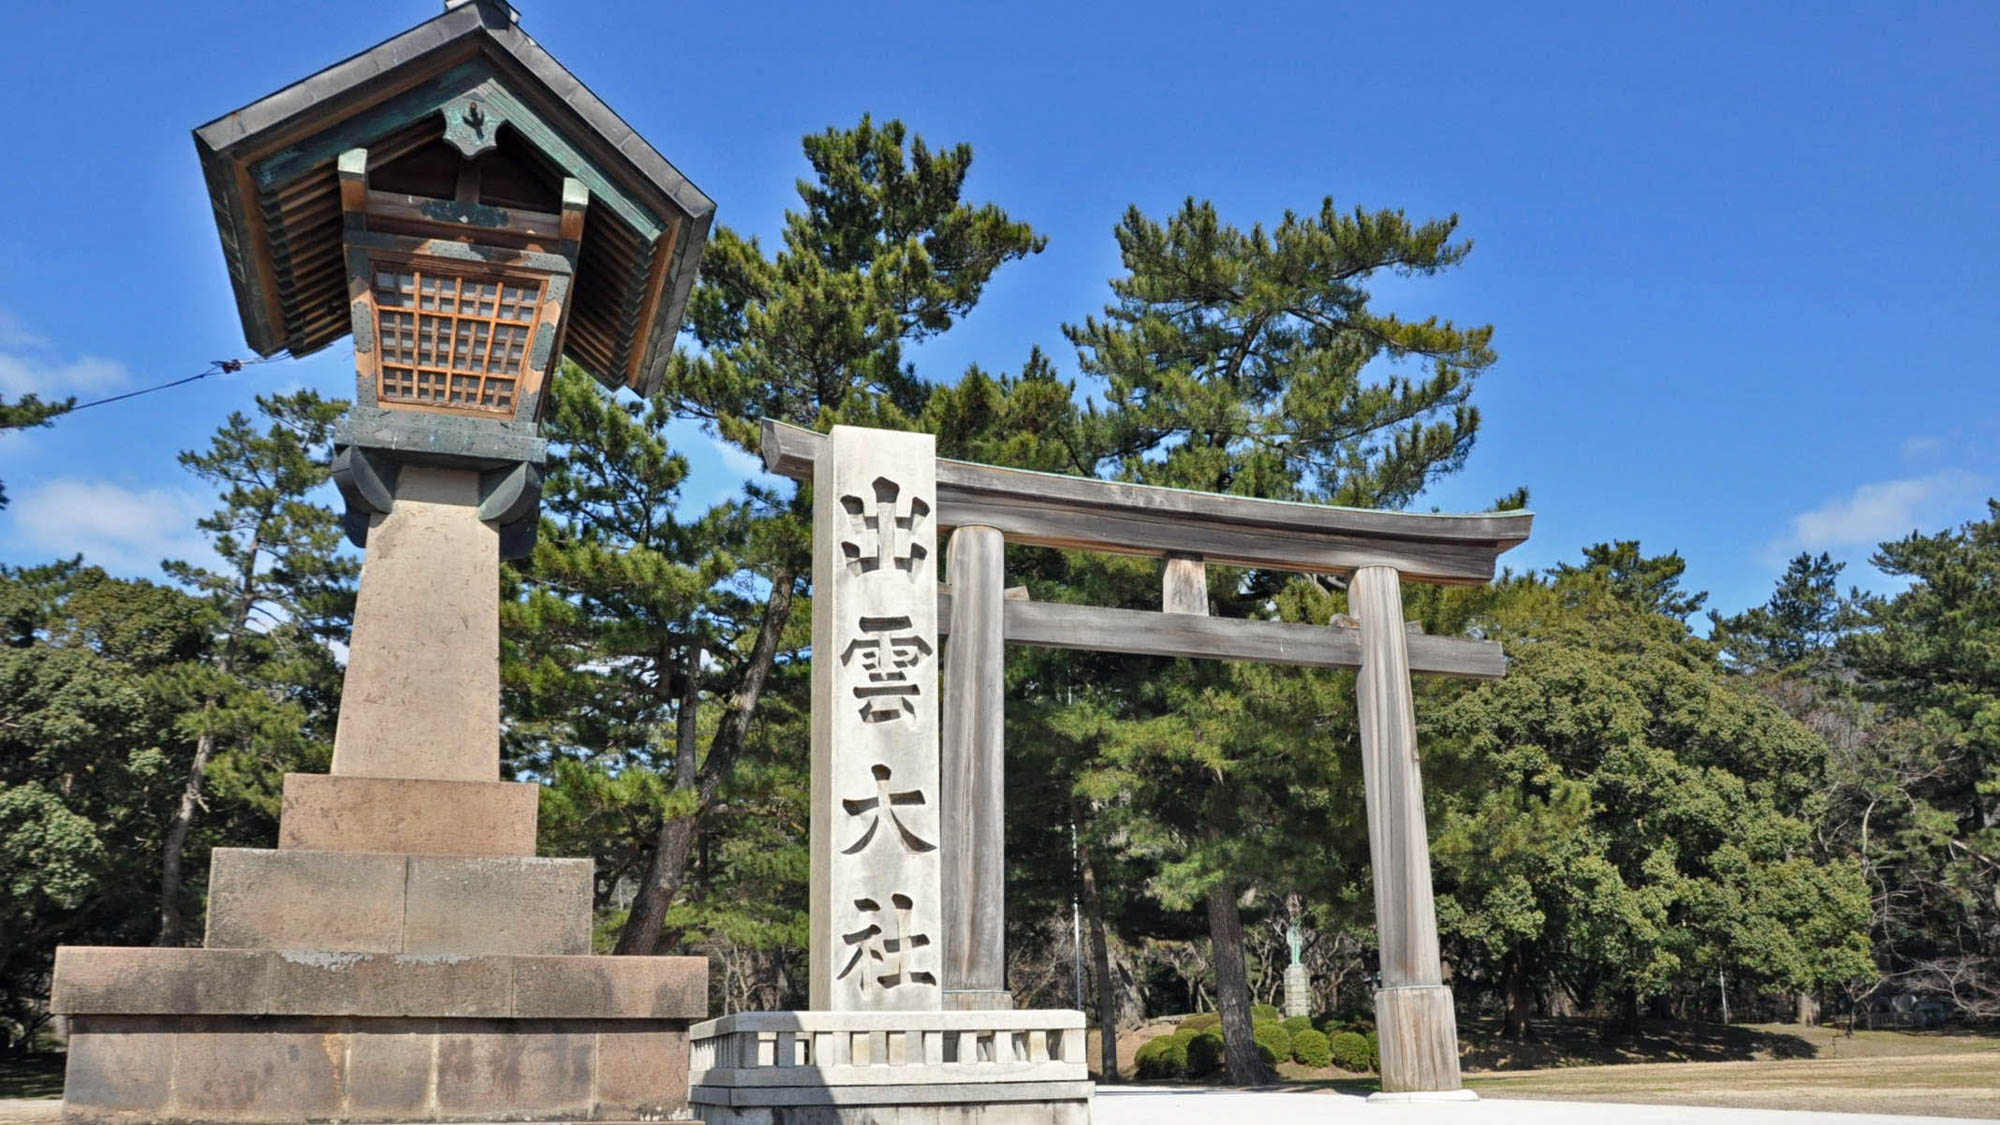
[1741, 258]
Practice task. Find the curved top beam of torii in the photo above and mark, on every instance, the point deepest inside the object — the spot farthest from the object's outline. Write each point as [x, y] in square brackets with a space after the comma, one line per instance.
[1081, 513]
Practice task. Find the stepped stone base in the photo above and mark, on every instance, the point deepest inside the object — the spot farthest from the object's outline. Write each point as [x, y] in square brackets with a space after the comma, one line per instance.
[376, 902]
[326, 812]
[984, 1067]
[212, 1035]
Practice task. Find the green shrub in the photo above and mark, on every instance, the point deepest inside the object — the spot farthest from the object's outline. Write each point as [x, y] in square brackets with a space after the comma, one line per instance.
[1310, 1048]
[1201, 1022]
[1261, 1012]
[1374, 1051]
[1147, 1058]
[1173, 1060]
[1297, 1024]
[1349, 1050]
[1204, 1053]
[1274, 1043]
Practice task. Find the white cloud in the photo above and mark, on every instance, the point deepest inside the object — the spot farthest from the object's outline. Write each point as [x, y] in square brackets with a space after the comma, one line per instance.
[15, 334]
[51, 378]
[1920, 447]
[738, 460]
[1876, 512]
[124, 530]
[29, 364]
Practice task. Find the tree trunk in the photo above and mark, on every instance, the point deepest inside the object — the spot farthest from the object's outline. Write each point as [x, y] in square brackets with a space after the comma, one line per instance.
[1808, 1009]
[1232, 988]
[172, 924]
[667, 867]
[1519, 999]
[1100, 967]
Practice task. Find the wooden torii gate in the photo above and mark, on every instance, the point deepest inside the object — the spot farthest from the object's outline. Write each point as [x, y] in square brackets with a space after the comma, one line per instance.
[986, 506]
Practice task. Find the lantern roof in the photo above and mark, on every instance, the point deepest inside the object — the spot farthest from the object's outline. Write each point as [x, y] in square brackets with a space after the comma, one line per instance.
[273, 179]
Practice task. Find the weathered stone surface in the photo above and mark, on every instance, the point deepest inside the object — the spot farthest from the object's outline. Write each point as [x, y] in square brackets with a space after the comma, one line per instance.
[875, 893]
[491, 1070]
[111, 980]
[347, 901]
[390, 984]
[642, 1071]
[422, 693]
[408, 815]
[120, 1068]
[611, 987]
[462, 904]
[286, 1070]
[389, 1065]
[100, 980]
[127, 1070]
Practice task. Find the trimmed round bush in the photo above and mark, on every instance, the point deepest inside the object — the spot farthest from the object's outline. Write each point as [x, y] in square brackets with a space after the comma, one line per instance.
[1296, 1024]
[1349, 1051]
[1262, 1012]
[1274, 1043]
[1173, 1060]
[1201, 1022]
[1374, 1051]
[1204, 1053]
[1310, 1048]
[1147, 1058]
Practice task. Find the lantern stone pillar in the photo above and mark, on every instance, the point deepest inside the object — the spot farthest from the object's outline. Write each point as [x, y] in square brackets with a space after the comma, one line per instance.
[422, 693]
[403, 955]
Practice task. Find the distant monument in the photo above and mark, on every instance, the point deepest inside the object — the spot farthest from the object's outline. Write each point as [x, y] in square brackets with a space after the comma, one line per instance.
[469, 213]
[1298, 995]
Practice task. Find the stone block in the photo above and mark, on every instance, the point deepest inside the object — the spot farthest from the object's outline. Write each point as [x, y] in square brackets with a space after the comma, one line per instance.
[422, 694]
[642, 1070]
[452, 985]
[120, 1068]
[408, 816]
[268, 1070]
[611, 987]
[389, 1064]
[346, 901]
[461, 904]
[103, 980]
[490, 1071]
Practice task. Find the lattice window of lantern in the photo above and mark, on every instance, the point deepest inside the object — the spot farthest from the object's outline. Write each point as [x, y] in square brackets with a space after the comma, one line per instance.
[452, 341]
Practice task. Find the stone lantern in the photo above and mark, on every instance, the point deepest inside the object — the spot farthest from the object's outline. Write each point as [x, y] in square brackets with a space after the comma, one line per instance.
[471, 215]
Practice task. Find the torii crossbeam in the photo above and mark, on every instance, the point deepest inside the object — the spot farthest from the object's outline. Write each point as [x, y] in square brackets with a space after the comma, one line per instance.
[985, 507]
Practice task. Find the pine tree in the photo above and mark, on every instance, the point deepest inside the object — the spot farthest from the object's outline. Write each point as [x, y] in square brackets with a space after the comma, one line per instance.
[884, 253]
[27, 412]
[1239, 362]
[283, 590]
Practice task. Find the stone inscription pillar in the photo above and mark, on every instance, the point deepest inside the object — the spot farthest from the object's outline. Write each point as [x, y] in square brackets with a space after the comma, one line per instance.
[1413, 1008]
[875, 897]
[974, 779]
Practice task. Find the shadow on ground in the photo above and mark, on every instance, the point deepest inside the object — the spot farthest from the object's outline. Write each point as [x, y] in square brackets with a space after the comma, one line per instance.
[1578, 1042]
[31, 1076]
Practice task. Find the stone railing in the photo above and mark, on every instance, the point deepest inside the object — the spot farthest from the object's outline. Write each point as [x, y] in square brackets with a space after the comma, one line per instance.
[887, 1048]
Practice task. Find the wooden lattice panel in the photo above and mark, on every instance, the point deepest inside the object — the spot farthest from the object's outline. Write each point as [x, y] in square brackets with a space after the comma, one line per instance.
[451, 341]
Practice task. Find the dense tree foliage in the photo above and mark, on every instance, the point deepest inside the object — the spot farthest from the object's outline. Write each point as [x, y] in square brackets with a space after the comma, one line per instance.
[1803, 806]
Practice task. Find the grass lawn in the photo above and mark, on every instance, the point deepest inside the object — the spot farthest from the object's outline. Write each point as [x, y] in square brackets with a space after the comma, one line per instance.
[1748, 1066]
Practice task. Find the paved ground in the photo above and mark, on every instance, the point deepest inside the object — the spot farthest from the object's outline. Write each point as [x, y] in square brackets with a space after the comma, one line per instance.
[1158, 1105]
